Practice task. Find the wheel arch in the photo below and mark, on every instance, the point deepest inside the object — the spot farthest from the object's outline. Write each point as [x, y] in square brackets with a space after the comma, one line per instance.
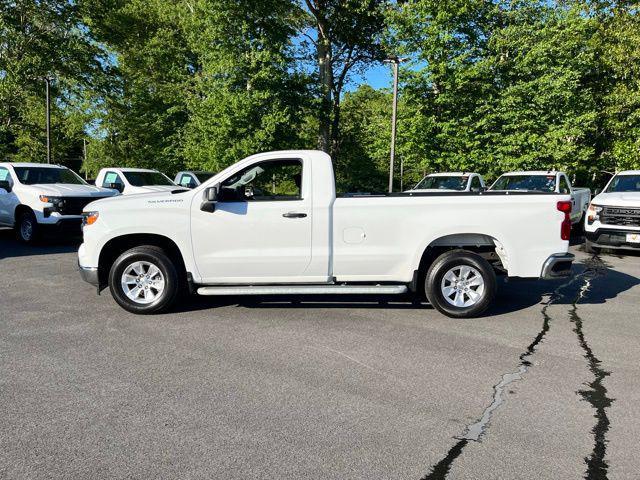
[485, 245]
[120, 244]
[19, 209]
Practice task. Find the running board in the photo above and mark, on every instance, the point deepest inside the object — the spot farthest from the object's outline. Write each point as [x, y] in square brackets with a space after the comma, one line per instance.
[304, 290]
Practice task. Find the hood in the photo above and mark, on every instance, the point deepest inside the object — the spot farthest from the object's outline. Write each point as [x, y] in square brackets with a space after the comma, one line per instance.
[139, 199]
[618, 199]
[73, 190]
[153, 188]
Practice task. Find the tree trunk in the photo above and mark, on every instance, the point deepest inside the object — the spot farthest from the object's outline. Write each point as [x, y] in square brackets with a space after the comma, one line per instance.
[325, 70]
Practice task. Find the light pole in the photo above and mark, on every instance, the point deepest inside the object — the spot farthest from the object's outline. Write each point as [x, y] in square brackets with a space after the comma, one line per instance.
[395, 61]
[47, 82]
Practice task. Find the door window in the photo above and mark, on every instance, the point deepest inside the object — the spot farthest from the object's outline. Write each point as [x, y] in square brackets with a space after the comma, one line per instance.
[187, 180]
[5, 177]
[564, 185]
[113, 178]
[265, 181]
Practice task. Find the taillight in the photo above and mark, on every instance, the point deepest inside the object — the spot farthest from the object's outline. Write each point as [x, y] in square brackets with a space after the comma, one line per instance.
[565, 227]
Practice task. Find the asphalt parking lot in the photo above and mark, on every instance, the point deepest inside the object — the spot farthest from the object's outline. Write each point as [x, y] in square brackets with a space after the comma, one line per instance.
[545, 386]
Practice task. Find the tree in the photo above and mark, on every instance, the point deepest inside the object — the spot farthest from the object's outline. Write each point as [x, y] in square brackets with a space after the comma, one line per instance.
[348, 34]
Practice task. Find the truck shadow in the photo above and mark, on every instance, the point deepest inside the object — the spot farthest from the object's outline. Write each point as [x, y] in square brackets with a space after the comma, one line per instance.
[512, 296]
[10, 247]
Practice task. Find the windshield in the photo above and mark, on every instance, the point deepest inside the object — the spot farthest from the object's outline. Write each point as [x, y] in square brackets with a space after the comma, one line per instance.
[204, 176]
[536, 183]
[142, 179]
[442, 183]
[47, 175]
[624, 183]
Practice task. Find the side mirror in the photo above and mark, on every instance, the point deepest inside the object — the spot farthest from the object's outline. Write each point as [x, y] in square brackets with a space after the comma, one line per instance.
[116, 186]
[210, 198]
[5, 185]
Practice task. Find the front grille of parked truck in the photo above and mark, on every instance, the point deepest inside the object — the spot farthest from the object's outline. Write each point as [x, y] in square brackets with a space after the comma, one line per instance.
[623, 216]
[74, 205]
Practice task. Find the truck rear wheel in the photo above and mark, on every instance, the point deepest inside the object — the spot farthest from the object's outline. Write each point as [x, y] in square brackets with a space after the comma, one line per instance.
[460, 284]
[144, 280]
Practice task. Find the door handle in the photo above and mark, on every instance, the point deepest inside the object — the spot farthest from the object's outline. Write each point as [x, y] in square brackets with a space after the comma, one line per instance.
[294, 215]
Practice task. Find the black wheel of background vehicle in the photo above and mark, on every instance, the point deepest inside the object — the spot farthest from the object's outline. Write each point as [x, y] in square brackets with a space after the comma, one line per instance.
[144, 280]
[460, 284]
[27, 227]
[589, 248]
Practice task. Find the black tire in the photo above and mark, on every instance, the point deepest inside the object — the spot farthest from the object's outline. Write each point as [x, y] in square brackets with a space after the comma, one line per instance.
[151, 255]
[589, 248]
[450, 261]
[26, 228]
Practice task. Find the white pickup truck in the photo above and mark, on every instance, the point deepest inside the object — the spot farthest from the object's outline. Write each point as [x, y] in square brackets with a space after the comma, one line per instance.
[36, 197]
[450, 182]
[613, 217]
[272, 224]
[546, 181]
[130, 181]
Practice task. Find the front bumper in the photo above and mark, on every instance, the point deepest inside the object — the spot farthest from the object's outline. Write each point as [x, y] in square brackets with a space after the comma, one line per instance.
[64, 227]
[89, 275]
[557, 265]
[611, 238]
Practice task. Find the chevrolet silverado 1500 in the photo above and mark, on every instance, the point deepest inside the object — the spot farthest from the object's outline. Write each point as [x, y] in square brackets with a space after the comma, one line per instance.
[613, 217]
[272, 224]
[130, 181]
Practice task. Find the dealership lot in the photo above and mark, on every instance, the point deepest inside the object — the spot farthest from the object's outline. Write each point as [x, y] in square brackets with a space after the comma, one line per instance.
[318, 387]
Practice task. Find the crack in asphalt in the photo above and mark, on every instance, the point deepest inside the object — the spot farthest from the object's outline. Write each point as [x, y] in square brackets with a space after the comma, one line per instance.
[475, 431]
[596, 395]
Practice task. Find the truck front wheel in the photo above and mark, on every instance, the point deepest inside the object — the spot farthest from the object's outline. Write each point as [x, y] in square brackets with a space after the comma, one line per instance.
[144, 280]
[460, 284]
[26, 228]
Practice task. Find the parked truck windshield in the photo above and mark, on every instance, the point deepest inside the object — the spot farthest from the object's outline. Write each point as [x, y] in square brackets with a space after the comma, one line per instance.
[624, 183]
[442, 183]
[47, 175]
[534, 183]
[141, 179]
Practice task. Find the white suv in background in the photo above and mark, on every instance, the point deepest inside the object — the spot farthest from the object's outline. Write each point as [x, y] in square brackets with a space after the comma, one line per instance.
[129, 181]
[36, 197]
[613, 217]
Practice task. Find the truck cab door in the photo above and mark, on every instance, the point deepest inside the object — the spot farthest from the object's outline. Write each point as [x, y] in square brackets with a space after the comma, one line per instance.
[260, 228]
[8, 199]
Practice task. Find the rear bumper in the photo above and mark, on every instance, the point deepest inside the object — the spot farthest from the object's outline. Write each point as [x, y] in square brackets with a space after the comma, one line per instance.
[611, 238]
[89, 275]
[557, 265]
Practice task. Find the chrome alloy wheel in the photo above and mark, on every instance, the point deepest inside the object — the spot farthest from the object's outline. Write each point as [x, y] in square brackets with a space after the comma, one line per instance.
[142, 282]
[462, 286]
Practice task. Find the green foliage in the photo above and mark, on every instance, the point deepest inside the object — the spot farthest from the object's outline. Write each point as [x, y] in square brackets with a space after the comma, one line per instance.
[492, 86]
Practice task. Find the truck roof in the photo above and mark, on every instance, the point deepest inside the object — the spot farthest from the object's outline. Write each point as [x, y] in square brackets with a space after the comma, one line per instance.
[629, 172]
[129, 169]
[450, 174]
[27, 164]
[532, 172]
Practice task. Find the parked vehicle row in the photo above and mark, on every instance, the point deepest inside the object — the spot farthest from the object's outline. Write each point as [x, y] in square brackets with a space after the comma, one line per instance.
[549, 181]
[273, 224]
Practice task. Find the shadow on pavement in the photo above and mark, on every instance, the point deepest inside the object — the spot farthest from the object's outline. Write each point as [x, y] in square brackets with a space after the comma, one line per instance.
[10, 247]
[512, 296]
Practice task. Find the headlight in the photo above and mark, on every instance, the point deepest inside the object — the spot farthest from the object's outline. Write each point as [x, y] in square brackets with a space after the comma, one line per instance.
[593, 213]
[53, 200]
[89, 218]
